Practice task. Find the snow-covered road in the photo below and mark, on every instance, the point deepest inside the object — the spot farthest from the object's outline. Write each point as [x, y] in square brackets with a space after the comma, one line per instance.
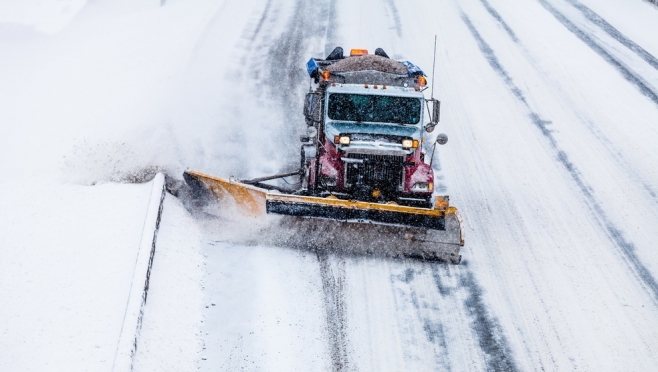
[551, 107]
[551, 110]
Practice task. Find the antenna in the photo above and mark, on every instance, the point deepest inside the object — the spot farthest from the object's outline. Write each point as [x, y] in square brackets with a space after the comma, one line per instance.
[433, 66]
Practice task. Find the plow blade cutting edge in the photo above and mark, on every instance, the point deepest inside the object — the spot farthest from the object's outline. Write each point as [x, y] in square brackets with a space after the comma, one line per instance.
[427, 232]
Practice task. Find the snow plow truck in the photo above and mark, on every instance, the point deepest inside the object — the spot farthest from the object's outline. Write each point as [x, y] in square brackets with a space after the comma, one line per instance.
[363, 165]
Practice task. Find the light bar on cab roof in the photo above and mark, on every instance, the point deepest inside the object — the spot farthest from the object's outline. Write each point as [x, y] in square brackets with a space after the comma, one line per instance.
[358, 52]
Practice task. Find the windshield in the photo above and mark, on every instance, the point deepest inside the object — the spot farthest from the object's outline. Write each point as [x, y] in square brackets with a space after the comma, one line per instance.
[380, 109]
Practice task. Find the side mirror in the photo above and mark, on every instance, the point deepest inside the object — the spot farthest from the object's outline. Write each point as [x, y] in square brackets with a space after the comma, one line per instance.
[312, 107]
[436, 111]
[435, 114]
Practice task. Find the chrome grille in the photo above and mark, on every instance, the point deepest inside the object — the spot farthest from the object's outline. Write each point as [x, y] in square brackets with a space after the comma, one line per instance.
[383, 171]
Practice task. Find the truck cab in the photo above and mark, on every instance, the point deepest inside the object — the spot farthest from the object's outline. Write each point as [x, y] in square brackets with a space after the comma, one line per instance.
[365, 122]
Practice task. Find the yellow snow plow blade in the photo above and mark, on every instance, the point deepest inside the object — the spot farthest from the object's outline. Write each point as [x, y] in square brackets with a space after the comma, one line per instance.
[442, 223]
[250, 199]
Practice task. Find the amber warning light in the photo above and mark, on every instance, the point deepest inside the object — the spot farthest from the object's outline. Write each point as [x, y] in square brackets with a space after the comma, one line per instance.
[358, 52]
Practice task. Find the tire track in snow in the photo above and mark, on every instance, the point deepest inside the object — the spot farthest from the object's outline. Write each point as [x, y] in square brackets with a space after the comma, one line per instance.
[614, 233]
[625, 71]
[428, 314]
[615, 153]
[256, 42]
[614, 33]
[438, 282]
[396, 17]
[287, 55]
[491, 337]
[333, 284]
[204, 86]
[263, 17]
[500, 20]
[456, 288]
[312, 20]
[286, 59]
[532, 346]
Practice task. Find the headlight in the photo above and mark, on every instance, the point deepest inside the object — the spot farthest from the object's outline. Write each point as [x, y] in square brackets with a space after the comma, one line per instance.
[344, 140]
[423, 186]
[408, 143]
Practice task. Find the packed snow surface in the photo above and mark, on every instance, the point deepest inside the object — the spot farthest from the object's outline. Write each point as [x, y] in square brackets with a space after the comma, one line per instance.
[68, 255]
[551, 109]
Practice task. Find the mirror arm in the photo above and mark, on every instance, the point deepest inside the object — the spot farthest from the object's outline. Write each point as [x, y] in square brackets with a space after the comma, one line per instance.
[432, 157]
[434, 114]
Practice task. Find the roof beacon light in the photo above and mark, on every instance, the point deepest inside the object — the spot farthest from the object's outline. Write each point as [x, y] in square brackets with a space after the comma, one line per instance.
[422, 81]
[326, 76]
[358, 52]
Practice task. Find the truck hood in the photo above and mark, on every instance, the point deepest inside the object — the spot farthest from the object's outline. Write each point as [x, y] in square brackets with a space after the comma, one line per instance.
[335, 128]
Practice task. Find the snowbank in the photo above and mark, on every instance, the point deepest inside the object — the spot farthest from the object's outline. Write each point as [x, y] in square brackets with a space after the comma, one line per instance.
[169, 339]
[68, 255]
